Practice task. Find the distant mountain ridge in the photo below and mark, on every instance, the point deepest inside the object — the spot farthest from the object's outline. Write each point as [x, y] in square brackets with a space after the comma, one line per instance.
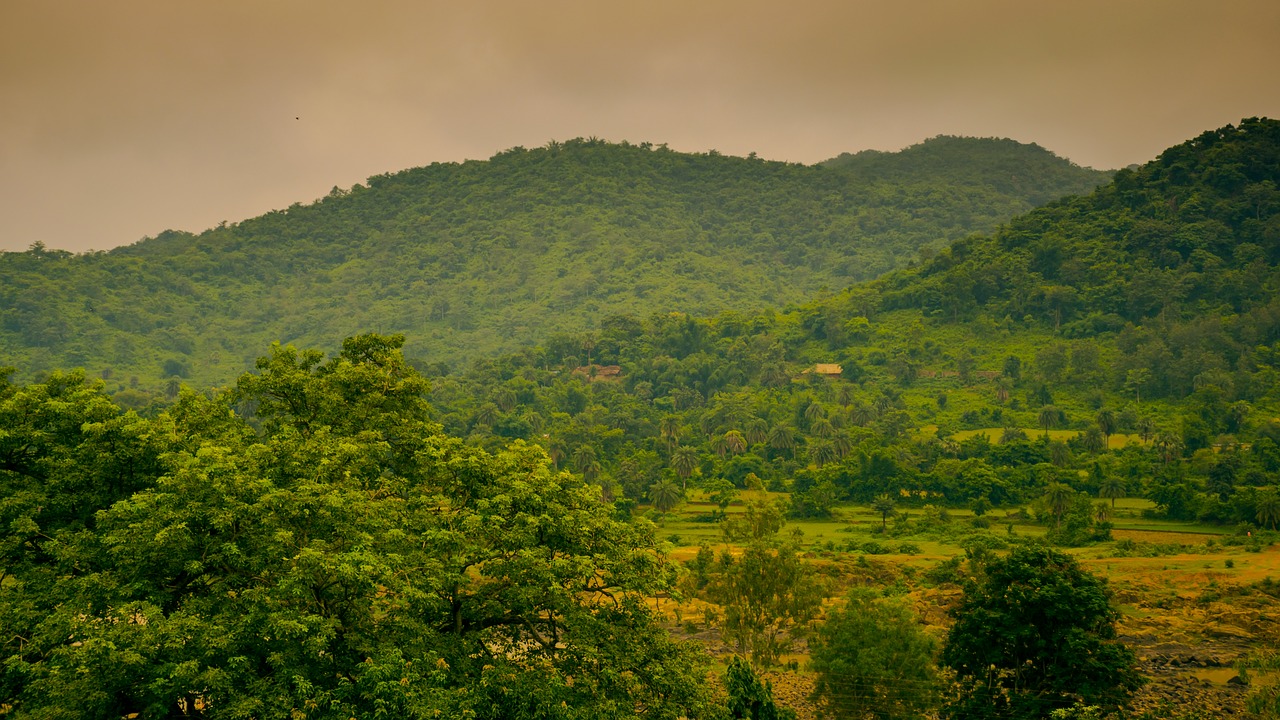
[1025, 170]
[469, 259]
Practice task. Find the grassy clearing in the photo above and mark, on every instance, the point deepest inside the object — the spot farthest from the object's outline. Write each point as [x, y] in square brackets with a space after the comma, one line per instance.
[1115, 442]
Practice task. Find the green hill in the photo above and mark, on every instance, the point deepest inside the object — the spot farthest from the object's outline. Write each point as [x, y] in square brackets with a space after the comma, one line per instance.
[1140, 324]
[482, 257]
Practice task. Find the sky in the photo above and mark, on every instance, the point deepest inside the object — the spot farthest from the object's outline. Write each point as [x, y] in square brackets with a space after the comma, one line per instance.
[121, 119]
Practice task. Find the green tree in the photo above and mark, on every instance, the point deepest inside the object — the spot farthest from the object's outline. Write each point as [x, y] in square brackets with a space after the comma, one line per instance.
[665, 495]
[873, 660]
[749, 699]
[684, 460]
[1107, 424]
[1034, 633]
[768, 593]
[1057, 497]
[342, 553]
[1050, 417]
[884, 505]
[1111, 488]
[783, 437]
[1268, 508]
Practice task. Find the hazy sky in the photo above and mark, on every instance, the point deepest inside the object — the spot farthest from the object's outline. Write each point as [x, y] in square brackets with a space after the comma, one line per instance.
[121, 118]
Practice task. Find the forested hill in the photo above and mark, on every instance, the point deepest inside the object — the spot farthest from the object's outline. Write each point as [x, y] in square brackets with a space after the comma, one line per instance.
[1026, 171]
[473, 259]
[1147, 309]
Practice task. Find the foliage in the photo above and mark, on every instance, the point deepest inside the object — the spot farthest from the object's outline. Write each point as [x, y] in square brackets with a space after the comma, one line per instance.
[1034, 633]
[338, 556]
[749, 699]
[482, 257]
[873, 660]
[769, 595]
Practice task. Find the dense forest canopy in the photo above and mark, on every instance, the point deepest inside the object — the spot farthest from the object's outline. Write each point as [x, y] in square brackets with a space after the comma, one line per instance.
[483, 257]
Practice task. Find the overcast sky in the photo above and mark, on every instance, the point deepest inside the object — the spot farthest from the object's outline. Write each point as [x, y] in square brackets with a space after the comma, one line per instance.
[121, 118]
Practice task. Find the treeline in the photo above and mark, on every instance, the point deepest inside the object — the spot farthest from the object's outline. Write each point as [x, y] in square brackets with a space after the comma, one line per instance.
[483, 257]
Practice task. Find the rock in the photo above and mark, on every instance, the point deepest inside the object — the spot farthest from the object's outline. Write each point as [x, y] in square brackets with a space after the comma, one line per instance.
[1237, 680]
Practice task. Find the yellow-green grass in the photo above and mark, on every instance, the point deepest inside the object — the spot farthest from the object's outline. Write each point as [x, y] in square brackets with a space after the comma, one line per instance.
[1115, 442]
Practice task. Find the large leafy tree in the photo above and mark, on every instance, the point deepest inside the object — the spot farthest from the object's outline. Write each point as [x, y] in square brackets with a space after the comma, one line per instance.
[1036, 633]
[873, 660]
[345, 559]
[768, 594]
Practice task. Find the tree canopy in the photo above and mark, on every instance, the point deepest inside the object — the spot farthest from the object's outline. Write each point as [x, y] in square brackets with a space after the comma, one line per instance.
[332, 555]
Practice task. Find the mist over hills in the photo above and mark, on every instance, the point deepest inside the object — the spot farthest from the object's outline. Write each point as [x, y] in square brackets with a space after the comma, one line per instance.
[482, 257]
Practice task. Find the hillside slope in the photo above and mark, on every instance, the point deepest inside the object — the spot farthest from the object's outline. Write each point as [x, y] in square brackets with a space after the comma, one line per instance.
[1131, 334]
[482, 257]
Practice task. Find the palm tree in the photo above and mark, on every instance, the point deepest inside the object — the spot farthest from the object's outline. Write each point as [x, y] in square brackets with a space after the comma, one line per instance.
[1058, 497]
[1003, 385]
[782, 437]
[556, 454]
[683, 461]
[735, 442]
[1107, 424]
[1093, 440]
[487, 414]
[665, 495]
[1111, 488]
[883, 504]
[719, 445]
[1102, 512]
[1049, 418]
[841, 444]
[757, 430]
[821, 427]
[883, 404]
[531, 416]
[814, 411]
[1146, 428]
[862, 413]
[1268, 508]
[1170, 446]
[504, 398]
[845, 395]
[1059, 453]
[822, 452]
[669, 427]
[584, 458]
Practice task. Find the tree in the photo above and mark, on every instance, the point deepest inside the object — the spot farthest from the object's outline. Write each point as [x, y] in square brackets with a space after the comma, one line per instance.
[1146, 428]
[684, 460]
[873, 660]
[342, 554]
[1057, 498]
[1093, 440]
[587, 462]
[768, 592]
[1034, 633]
[1111, 488]
[1135, 380]
[1268, 508]
[884, 505]
[665, 495]
[721, 492]
[783, 437]
[749, 699]
[1107, 424]
[1050, 417]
